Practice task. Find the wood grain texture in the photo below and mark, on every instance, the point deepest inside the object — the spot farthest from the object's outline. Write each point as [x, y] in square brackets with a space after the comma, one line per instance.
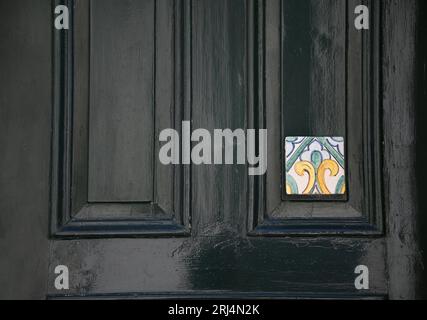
[219, 259]
[219, 102]
[81, 105]
[74, 213]
[314, 95]
[421, 151]
[25, 115]
[349, 64]
[122, 101]
[314, 73]
[328, 65]
[399, 145]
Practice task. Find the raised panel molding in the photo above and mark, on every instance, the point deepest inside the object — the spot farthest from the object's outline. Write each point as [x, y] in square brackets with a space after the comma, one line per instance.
[162, 206]
[272, 214]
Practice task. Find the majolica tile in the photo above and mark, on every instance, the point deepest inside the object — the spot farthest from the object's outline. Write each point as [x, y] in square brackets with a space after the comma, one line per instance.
[315, 166]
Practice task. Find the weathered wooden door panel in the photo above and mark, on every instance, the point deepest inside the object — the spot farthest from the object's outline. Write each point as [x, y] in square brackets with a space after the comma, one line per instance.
[336, 93]
[121, 127]
[125, 225]
[120, 80]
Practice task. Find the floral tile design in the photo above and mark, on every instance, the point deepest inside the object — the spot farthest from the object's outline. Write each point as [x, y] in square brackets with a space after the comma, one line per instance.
[315, 166]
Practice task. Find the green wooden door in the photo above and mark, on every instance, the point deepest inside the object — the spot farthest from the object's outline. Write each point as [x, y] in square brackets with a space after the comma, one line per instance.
[126, 225]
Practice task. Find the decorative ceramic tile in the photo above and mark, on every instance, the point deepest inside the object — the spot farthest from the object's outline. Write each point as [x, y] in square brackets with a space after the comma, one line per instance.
[315, 166]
